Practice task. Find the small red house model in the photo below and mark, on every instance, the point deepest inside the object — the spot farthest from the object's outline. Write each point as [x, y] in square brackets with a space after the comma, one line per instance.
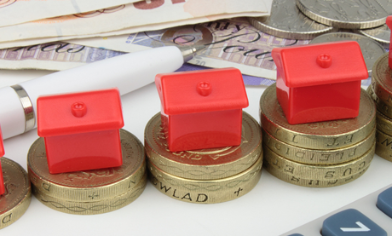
[81, 130]
[202, 109]
[319, 82]
[2, 187]
[389, 24]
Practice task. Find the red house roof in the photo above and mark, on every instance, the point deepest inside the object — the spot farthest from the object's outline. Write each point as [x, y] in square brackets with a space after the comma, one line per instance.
[79, 113]
[1, 145]
[201, 91]
[319, 64]
[389, 22]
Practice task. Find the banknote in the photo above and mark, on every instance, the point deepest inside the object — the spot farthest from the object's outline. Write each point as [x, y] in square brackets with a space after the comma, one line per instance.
[232, 42]
[62, 56]
[52, 56]
[158, 26]
[147, 12]
[14, 12]
[229, 43]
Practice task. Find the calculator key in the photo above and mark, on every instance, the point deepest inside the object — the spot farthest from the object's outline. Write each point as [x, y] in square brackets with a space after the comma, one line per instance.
[384, 202]
[348, 223]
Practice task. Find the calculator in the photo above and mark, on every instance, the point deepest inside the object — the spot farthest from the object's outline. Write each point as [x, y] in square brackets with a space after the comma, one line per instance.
[368, 216]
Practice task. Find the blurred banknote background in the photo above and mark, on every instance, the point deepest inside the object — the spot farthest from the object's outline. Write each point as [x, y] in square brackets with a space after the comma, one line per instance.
[58, 35]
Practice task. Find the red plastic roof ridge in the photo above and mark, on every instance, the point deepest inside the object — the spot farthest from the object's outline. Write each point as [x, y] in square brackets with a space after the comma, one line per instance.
[197, 103]
[304, 70]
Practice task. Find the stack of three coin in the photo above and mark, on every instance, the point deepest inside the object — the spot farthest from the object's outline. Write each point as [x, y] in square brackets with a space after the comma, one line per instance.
[17, 196]
[321, 154]
[381, 92]
[93, 191]
[208, 175]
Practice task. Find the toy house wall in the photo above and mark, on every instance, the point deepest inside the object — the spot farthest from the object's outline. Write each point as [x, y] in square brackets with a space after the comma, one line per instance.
[76, 152]
[204, 130]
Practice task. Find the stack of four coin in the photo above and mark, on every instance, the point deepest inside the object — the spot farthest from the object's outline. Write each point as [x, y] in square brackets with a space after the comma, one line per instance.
[208, 175]
[381, 92]
[321, 154]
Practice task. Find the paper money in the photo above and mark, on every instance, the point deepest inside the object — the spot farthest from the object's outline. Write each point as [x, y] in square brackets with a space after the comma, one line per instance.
[230, 43]
[62, 56]
[52, 56]
[133, 15]
[16, 12]
[34, 41]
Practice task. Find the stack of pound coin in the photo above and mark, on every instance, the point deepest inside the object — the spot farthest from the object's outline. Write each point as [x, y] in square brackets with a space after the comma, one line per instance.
[16, 199]
[287, 21]
[206, 175]
[364, 17]
[306, 19]
[320, 154]
[381, 92]
[89, 192]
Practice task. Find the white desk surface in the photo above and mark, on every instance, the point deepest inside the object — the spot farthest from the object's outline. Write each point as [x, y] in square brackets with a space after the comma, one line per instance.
[272, 208]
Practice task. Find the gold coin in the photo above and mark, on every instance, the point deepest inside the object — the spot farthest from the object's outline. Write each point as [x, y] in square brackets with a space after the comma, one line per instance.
[381, 80]
[384, 145]
[92, 185]
[319, 156]
[96, 207]
[381, 85]
[384, 124]
[16, 199]
[327, 172]
[384, 108]
[214, 163]
[314, 183]
[384, 112]
[206, 191]
[319, 135]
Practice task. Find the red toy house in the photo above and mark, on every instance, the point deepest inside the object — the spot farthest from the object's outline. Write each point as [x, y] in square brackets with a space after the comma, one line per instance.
[202, 109]
[2, 187]
[319, 82]
[81, 130]
[389, 23]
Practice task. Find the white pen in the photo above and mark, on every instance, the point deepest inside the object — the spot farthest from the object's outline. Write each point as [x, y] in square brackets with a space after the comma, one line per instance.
[128, 72]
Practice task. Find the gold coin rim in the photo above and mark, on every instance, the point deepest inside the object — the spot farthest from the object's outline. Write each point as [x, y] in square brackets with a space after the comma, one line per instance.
[365, 144]
[321, 184]
[92, 208]
[81, 194]
[317, 171]
[379, 89]
[222, 170]
[382, 150]
[383, 122]
[214, 195]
